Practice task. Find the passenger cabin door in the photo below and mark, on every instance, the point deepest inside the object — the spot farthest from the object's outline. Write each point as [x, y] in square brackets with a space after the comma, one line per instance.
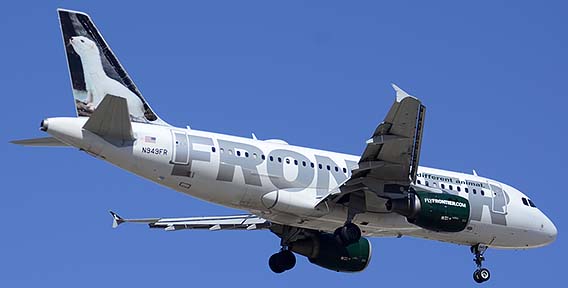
[499, 200]
[180, 148]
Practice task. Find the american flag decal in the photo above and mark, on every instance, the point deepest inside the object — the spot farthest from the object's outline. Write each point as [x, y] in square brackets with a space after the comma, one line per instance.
[149, 139]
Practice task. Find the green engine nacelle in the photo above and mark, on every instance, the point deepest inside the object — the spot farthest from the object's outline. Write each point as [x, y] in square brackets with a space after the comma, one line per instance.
[433, 211]
[325, 251]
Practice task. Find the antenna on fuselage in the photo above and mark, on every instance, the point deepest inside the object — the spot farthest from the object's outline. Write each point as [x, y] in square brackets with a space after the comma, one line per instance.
[474, 172]
[254, 136]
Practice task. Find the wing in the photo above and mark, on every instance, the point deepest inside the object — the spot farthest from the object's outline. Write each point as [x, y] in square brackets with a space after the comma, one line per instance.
[236, 222]
[390, 160]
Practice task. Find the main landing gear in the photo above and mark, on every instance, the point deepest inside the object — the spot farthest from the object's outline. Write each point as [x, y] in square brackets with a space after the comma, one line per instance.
[282, 261]
[481, 274]
[348, 234]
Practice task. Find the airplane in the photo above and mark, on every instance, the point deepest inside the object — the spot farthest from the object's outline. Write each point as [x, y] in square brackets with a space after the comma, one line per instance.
[322, 205]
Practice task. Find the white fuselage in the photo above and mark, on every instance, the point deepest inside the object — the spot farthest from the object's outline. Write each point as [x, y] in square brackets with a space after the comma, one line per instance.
[277, 181]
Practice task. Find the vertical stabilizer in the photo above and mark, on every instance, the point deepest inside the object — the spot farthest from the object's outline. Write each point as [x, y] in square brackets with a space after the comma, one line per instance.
[96, 72]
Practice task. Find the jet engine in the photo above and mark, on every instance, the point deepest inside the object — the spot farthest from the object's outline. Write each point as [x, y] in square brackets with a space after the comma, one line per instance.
[440, 212]
[324, 250]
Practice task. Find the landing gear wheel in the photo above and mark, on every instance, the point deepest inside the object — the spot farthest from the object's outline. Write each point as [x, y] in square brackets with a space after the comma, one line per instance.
[288, 259]
[481, 274]
[484, 274]
[282, 261]
[348, 234]
[275, 264]
[476, 277]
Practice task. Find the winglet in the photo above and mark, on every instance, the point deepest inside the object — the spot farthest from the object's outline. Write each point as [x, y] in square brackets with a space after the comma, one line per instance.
[400, 94]
[116, 220]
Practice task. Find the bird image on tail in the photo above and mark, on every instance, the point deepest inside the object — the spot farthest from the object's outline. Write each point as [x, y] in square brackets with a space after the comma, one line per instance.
[96, 72]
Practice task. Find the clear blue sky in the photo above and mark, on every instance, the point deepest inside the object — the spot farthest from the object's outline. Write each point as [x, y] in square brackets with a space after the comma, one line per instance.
[491, 73]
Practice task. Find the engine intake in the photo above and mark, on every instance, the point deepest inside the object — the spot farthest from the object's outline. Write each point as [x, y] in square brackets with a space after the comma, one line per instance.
[440, 212]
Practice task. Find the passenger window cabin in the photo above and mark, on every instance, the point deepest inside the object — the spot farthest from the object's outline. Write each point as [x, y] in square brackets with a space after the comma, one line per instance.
[288, 161]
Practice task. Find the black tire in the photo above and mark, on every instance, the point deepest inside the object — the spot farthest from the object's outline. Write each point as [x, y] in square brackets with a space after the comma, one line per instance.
[348, 234]
[476, 277]
[275, 263]
[288, 259]
[484, 274]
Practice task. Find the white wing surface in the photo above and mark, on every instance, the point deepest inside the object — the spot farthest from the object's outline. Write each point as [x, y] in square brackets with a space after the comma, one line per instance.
[213, 223]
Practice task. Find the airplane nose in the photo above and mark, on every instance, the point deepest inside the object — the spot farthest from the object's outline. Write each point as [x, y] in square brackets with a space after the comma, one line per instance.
[550, 230]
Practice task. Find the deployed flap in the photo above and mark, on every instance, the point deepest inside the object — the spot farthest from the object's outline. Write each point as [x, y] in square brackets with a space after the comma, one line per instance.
[40, 142]
[237, 222]
[111, 120]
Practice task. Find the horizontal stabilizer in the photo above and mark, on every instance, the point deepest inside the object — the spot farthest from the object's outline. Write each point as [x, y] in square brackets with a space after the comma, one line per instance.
[111, 121]
[212, 223]
[40, 142]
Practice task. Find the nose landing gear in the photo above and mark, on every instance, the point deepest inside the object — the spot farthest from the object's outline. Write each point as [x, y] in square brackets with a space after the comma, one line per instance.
[481, 274]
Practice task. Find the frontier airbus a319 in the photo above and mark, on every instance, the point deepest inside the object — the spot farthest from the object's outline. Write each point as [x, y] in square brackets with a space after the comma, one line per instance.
[321, 204]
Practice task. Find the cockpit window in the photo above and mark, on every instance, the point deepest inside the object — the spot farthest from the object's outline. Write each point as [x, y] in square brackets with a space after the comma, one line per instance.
[531, 203]
[525, 201]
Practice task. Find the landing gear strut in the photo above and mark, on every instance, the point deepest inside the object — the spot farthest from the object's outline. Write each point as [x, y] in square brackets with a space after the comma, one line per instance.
[348, 234]
[481, 274]
[282, 261]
